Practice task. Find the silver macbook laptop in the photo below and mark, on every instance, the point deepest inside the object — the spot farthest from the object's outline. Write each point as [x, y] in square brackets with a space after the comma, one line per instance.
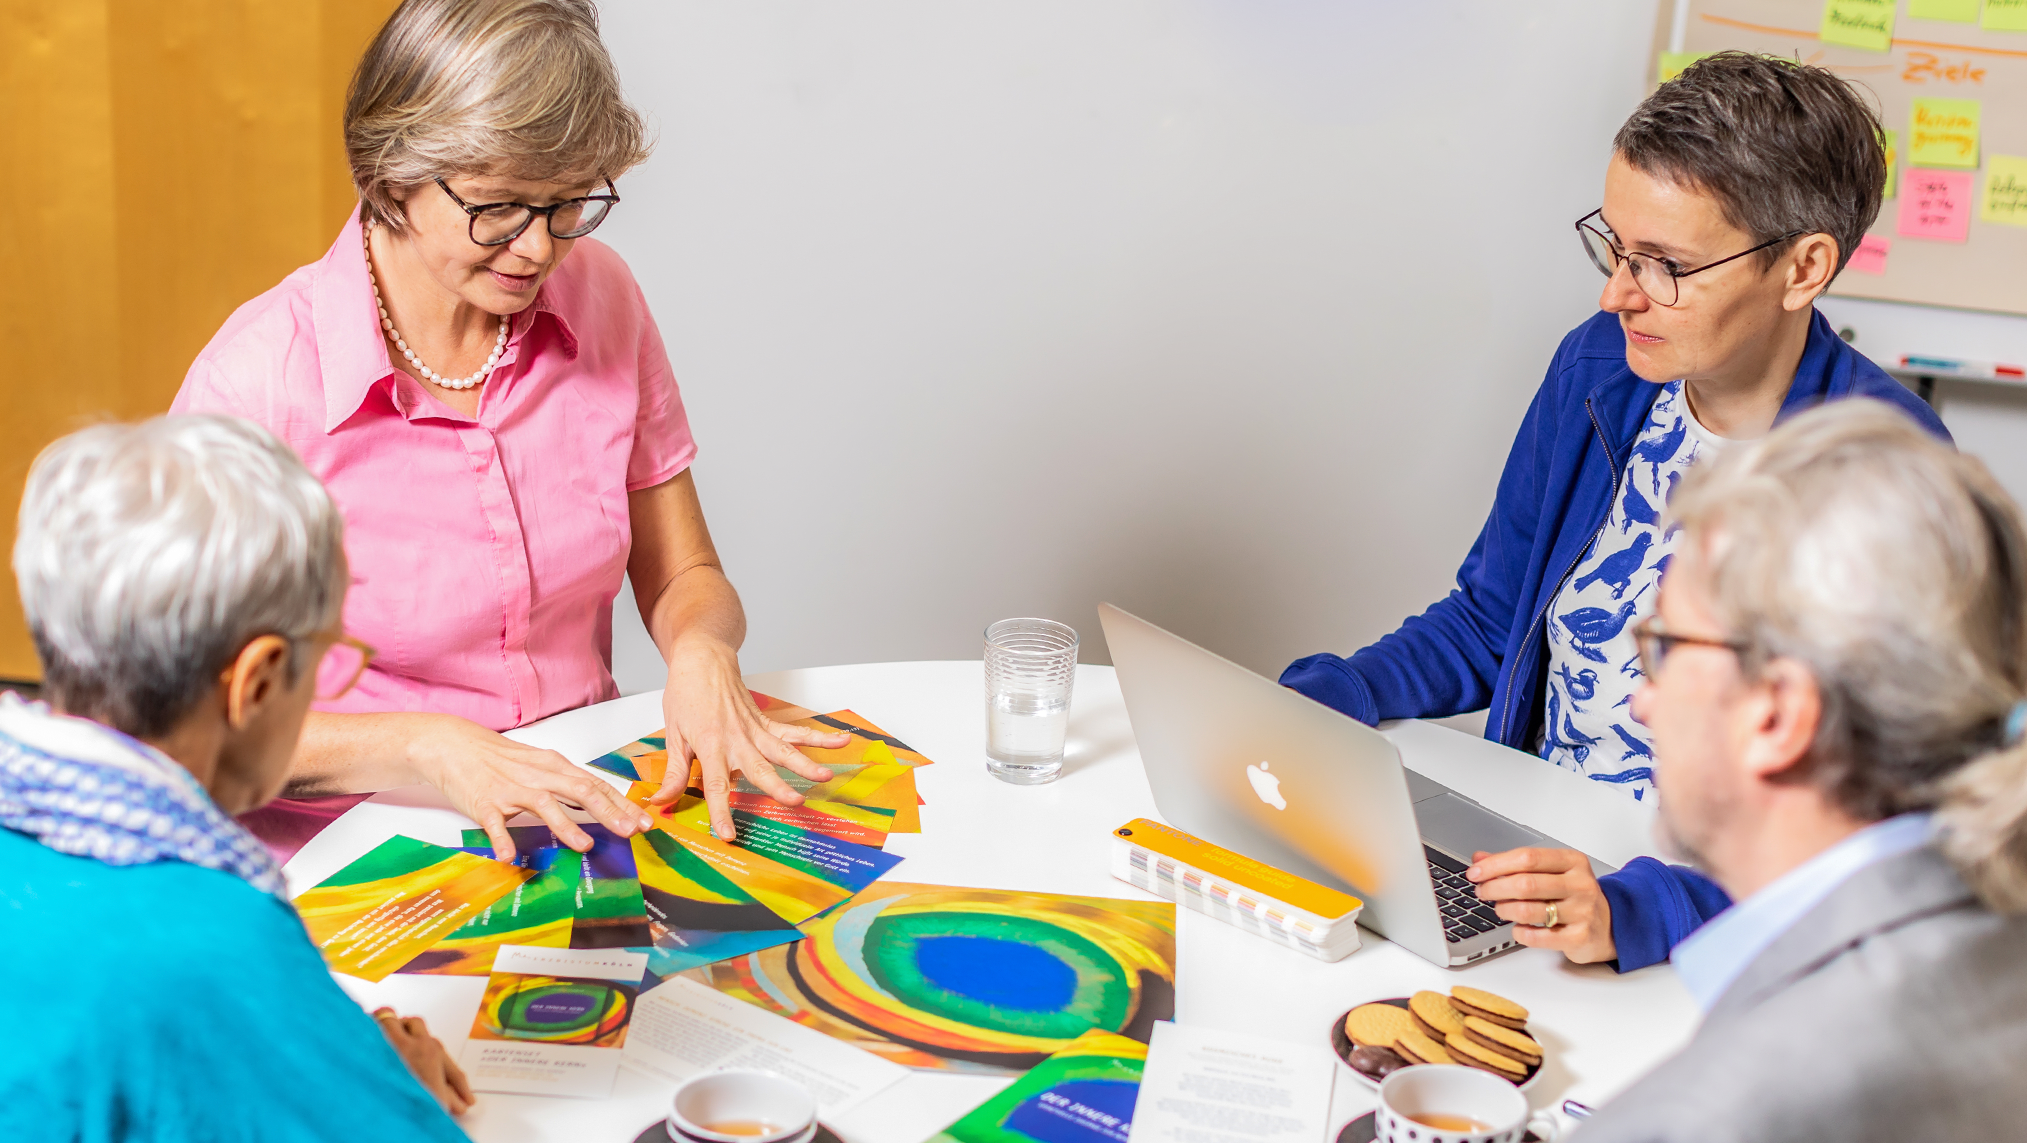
[1243, 762]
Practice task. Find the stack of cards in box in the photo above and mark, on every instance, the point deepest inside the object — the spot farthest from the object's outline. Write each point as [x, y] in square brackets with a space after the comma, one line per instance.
[1236, 889]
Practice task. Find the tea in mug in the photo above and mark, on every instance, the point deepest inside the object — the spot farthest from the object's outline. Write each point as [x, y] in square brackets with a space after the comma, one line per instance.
[753, 1127]
[1463, 1124]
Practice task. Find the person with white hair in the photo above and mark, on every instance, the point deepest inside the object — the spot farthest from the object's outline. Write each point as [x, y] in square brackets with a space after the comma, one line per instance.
[1836, 682]
[183, 580]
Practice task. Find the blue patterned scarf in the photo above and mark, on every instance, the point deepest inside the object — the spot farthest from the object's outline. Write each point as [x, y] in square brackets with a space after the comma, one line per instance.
[88, 790]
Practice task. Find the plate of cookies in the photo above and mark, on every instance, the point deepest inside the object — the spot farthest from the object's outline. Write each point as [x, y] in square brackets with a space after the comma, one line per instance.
[1469, 1026]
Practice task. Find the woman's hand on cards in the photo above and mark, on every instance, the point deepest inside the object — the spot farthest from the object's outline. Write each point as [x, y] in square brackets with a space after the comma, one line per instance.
[713, 719]
[1526, 884]
[424, 1055]
[490, 778]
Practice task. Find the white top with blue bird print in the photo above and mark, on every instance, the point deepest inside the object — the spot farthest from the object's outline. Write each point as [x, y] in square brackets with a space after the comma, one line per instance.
[1593, 664]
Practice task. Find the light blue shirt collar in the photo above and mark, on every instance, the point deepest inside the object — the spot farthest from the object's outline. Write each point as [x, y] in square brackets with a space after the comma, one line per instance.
[1714, 955]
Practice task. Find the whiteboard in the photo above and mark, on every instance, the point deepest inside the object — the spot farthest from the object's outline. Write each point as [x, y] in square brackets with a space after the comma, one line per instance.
[1929, 58]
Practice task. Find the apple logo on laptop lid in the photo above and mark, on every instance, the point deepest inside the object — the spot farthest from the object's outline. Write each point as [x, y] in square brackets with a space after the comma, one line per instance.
[1267, 786]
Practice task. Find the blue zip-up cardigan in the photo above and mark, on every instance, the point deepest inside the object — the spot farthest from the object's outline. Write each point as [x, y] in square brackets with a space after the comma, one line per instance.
[1482, 646]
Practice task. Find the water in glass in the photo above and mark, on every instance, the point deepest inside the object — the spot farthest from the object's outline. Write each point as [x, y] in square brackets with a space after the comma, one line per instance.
[1024, 736]
[1030, 665]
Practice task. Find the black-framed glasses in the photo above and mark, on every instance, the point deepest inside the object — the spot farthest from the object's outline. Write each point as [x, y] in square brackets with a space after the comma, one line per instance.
[498, 223]
[1655, 641]
[1658, 278]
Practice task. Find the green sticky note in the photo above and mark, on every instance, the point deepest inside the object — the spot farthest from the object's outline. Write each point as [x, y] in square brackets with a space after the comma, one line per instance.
[1675, 63]
[2006, 15]
[1943, 133]
[2005, 194]
[1960, 11]
[1892, 142]
[1864, 24]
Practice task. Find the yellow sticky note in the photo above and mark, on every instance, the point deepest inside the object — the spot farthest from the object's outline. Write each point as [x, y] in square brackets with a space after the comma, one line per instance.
[1892, 161]
[2005, 196]
[1864, 24]
[1943, 133]
[2006, 15]
[1675, 63]
[1960, 11]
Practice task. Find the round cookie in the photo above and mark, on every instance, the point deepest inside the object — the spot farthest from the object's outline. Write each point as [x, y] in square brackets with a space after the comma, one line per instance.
[1375, 1063]
[1476, 1055]
[1488, 1006]
[1434, 1015]
[1419, 1049]
[1378, 1025]
[1507, 1042]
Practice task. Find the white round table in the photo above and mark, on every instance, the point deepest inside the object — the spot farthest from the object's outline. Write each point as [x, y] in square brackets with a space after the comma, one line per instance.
[1602, 1030]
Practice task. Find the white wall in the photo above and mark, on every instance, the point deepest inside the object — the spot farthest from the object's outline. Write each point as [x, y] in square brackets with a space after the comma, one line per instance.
[1225, 311]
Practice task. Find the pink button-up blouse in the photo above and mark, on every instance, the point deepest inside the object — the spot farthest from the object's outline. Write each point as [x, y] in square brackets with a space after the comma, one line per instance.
[485, 551]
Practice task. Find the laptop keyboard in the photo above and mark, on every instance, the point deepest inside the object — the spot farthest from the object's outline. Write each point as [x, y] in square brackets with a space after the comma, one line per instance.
[1464, 915]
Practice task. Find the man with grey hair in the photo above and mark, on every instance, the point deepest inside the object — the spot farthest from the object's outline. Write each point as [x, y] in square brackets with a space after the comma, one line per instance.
[1834, 682]
[184, 579]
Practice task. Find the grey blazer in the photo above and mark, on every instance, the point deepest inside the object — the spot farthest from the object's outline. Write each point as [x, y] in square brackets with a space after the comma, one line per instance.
[1895, 1010]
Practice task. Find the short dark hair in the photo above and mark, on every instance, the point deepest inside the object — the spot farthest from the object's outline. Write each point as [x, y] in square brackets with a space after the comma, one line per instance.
[1782, 147]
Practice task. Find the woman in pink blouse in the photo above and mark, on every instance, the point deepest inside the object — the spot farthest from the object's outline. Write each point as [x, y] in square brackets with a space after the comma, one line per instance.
[482, 389]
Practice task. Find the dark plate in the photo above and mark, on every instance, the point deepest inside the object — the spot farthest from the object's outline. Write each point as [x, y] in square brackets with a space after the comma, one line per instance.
[1365, 1129]
[1341, 1044]
[659, 1133]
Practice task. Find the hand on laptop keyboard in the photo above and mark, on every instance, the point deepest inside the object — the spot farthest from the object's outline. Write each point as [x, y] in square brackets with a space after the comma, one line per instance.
[1464, 915]
[1523, 883]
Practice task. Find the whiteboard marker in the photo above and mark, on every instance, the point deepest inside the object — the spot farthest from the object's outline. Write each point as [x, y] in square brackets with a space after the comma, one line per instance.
[1978, 370]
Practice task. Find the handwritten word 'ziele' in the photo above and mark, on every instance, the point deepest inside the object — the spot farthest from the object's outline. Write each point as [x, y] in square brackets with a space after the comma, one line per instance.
[1923, 67]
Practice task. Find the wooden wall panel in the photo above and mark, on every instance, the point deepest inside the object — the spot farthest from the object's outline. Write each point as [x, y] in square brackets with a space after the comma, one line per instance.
[179, 159]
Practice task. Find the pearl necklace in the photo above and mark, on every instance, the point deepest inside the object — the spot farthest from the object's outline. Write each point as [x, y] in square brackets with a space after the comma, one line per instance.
[387, 323]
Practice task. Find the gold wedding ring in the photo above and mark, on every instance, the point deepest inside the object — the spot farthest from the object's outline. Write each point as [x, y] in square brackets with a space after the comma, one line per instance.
[1554, 918]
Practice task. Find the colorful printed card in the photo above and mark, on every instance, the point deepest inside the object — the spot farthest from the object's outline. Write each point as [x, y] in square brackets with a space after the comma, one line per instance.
[606, 910]
[696, 914]
[376, 914]
[861, 803]
[976, 980]
[1082, 1094]
[842, 863]
[553, 1021]
[793, 895]
[537, 912]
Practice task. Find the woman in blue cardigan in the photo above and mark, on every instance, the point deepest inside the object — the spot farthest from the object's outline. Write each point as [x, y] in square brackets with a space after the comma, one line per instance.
[183, 580]
[1735, 195]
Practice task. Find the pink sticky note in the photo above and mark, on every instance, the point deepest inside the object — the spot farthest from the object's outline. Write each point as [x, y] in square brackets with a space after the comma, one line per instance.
[1935, 205]
[1870, 257]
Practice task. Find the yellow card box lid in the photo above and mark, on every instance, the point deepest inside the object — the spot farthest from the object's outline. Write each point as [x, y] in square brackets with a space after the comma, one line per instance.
[1238, 869]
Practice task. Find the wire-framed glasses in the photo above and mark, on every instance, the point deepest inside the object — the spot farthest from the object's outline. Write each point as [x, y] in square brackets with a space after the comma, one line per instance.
[498, 223]
[1655, 641]
[1658, 278]
[339, 670]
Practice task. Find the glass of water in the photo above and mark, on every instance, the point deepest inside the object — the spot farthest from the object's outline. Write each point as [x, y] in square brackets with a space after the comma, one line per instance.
[1029, 665]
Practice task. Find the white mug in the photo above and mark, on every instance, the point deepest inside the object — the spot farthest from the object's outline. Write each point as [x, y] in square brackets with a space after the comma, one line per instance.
[1410, 1097]
[747, 1097]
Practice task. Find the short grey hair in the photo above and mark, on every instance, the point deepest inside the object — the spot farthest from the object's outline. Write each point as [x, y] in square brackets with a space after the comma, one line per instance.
[1895, 569]
[150, 554]
[522, 88]
[1782, 146]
